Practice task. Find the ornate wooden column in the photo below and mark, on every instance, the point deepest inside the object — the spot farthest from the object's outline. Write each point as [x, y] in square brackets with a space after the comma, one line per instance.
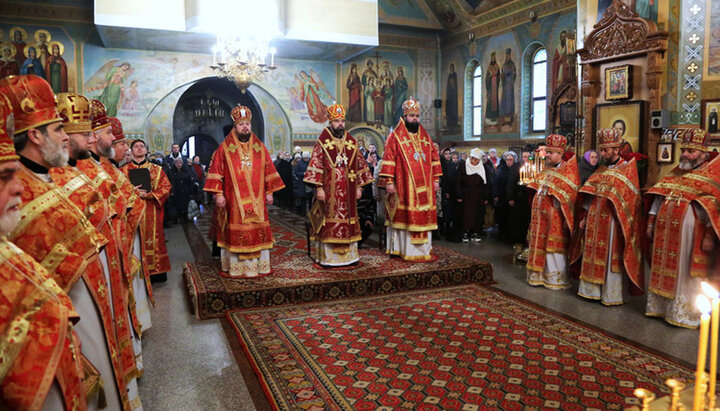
[619, 36]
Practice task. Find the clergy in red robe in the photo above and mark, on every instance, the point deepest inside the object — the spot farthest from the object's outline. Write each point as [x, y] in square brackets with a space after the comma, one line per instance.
[684, 226]
[242, 177]
[154, 252]
[338, 171]
[69, 250]
[612, 226]
[410, 174]
[109, 284]
[41, 361]
[552, 218]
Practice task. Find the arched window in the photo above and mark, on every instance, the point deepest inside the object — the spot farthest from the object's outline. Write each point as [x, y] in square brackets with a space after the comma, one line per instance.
[477, 86]
[538, 87]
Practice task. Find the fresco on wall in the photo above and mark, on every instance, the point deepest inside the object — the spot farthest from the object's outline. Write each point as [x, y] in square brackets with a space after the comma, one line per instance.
[277, 130]
[501, 90]
[451, 98]
[712, 42]
[131, 82]
[564, 61]
[375, 86]
[43, 51]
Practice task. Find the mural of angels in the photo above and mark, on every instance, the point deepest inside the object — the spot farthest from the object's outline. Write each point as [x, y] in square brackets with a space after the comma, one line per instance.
[110, 78]
[314, 94]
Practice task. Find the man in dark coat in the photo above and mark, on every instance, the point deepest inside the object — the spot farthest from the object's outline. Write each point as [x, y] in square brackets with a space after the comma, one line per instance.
[300, 190]
[184, 183]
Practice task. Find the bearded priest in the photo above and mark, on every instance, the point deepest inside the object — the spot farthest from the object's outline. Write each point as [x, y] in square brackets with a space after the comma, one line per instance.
[338, 171]
[410, 175]
[242, 177]
[684, 226]
[552, 218]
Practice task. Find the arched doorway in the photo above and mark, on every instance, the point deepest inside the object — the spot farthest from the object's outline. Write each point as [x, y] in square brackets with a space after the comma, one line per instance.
[203, 145]
[203, 112]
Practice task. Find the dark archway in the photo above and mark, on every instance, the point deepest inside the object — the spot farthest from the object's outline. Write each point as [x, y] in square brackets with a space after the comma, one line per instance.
[186, 122]
[203, 145]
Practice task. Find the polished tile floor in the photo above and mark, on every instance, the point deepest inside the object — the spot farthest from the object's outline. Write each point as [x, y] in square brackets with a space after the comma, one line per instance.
[191, 364]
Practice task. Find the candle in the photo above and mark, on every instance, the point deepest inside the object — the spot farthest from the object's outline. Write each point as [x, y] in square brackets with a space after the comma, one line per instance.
[703, 305]
[272, 57]
[711, 292]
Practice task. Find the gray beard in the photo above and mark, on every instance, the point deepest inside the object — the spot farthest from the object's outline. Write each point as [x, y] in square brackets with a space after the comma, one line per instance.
[109, 152]
[688, 165]
[53, 154]
[9, 219]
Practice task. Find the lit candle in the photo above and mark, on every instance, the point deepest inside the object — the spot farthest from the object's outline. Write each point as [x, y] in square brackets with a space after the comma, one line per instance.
[272, 56]
[703, 305]
[711, 292]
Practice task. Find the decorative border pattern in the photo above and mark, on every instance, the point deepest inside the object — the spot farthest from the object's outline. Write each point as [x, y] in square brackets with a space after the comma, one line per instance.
[691, 61]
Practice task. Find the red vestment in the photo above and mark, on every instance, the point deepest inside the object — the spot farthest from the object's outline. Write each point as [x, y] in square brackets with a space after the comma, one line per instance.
[154, 251]
[244, 174]
[550, 225]
[84, 194]
[38, 343]
[680, 188]
[339, 168]
[411, 162]
[616, 196]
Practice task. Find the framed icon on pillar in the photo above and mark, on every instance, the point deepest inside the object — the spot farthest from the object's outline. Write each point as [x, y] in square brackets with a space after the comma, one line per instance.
[710, 118]
[665, 153]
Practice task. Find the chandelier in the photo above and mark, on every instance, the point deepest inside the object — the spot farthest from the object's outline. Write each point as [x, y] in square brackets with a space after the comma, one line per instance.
[243, 59]
[208, 110]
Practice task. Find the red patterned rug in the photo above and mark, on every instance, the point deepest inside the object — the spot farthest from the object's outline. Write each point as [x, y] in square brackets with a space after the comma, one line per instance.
[463, 347]
[295, 280]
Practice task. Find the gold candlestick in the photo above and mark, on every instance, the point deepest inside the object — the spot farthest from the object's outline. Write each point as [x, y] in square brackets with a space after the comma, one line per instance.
[699, 394]
[711, 292]
[645, 396]
[676, 387]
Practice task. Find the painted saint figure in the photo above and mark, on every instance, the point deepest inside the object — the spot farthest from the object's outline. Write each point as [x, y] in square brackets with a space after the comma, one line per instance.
[56, 70]
[32, 64]
[354, 86]
[492, 88]
[451, 98]
[507, 103]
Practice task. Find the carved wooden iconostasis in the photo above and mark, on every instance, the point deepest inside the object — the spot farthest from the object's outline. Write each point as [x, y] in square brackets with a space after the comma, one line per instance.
[623, 62]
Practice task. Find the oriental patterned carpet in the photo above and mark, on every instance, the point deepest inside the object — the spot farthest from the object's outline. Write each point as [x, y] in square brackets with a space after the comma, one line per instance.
[294, 280]
[457, 348]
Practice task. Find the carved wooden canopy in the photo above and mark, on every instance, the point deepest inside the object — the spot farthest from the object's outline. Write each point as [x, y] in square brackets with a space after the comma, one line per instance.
[621, 33]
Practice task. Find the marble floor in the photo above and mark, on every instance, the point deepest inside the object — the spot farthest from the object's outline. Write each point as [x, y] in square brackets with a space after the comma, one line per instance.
[193, 365]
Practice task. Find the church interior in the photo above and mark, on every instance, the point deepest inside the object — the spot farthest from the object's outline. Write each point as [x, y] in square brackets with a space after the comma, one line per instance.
[464, 331]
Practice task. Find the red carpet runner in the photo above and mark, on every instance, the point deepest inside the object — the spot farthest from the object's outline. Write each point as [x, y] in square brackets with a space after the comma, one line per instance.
[462, 347]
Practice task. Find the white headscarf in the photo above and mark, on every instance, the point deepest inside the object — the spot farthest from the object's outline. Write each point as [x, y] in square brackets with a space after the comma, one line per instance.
[478, 169]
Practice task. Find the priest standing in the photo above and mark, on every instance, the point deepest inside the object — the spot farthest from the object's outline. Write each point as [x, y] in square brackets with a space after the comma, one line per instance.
[684, 226]
[410, 174]
[552, 218]
[612, 225]
[338, 171]
[243, 178]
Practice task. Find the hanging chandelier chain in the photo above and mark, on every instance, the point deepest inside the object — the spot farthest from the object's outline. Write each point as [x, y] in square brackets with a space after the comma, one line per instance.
[243, 59]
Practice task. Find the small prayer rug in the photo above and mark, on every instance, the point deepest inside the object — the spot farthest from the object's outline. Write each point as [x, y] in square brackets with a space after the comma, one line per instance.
[460, 348]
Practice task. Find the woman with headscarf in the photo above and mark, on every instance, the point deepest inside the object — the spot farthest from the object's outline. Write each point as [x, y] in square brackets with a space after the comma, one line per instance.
[473, 193]
[588, 165]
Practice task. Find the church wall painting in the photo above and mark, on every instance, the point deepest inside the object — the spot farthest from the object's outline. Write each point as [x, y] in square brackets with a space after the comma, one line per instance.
[451, 96]
[374, 86]
[500, 85]
[562, 53]
[44, 51]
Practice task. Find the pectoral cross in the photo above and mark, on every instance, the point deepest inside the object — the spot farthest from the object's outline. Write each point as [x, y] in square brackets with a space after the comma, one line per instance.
[418, 155]
[341, 160]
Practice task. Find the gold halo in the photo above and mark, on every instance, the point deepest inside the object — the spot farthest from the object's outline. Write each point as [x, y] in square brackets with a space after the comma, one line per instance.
[59, 44]
[17, 28]
[27, 47]
[9, 45]
[47, 34]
